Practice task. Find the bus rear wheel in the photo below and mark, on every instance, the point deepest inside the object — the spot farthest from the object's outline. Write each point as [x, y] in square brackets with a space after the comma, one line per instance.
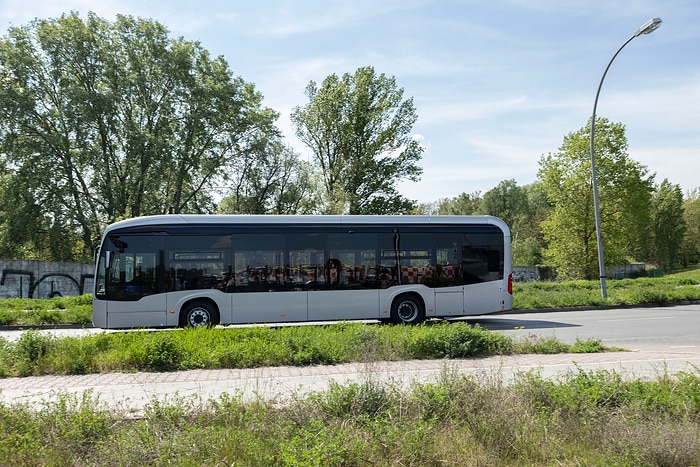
[407, 309]
[199, 314]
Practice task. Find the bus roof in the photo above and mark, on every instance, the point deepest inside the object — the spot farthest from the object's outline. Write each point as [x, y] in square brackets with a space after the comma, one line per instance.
[261, 219]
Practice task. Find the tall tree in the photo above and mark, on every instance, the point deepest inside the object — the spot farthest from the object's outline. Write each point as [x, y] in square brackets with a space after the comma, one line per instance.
[103, 120]
[270, 179]
[690, 248]
[508, 201]
[463, 205]
[358, 127]
[624, 192]
[667, 225]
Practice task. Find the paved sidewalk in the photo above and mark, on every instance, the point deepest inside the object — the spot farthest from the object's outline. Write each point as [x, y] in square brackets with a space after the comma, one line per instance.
[132, 391]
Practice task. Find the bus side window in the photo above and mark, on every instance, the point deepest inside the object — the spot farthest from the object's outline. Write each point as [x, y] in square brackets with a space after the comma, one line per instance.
[494, 260]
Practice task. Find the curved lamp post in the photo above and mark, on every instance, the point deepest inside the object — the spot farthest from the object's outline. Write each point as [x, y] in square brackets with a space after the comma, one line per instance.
[646, 28]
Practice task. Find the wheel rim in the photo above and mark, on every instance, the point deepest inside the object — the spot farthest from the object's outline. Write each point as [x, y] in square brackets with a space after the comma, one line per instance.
[198, 317]
[407, 311]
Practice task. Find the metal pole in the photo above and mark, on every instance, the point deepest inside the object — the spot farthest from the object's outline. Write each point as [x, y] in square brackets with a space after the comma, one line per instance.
[646, 28]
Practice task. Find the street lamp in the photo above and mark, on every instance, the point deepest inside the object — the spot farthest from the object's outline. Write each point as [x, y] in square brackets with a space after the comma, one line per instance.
[646, 28]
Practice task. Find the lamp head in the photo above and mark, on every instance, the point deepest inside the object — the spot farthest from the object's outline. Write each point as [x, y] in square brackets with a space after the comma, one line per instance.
[648, 27]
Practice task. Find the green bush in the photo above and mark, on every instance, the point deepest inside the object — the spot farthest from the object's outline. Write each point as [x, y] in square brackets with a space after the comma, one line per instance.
[454, 340]
[162, 353]
[30, 352]
[353, 400]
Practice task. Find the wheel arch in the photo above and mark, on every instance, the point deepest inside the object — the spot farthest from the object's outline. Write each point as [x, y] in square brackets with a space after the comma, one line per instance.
[423, 293]
[202, 299]
[398, 303]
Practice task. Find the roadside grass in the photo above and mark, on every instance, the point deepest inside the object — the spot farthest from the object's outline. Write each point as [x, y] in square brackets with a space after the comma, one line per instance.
[37, 353]
[672, 288]
[581, 418]
[36, 311]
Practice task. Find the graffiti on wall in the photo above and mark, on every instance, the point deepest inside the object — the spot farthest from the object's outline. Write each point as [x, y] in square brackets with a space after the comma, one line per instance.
[39, 279]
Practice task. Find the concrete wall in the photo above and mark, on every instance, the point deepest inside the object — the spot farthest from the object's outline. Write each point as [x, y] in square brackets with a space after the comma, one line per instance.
[40, 279]
[548, 273]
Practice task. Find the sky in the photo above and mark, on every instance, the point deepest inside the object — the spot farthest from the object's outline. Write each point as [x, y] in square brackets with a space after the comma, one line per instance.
[496, 84]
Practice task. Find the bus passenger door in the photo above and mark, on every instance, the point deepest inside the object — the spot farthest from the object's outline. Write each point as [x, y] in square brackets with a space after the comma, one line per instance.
[268, 286]
[347, 279]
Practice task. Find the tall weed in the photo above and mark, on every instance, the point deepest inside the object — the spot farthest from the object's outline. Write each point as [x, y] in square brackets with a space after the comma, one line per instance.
[31, 351]
[585, 418]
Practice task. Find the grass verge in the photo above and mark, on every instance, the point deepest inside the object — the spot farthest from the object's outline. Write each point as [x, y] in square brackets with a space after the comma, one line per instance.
[37, 311]
[672, 288]
[36, 353]
[583, 418]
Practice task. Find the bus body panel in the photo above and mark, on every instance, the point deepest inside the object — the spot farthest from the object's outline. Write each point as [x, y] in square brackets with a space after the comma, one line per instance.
[269, 307]
[148, 311]
[333, 305]
[487, 297]
[99, 313]
[263, 269]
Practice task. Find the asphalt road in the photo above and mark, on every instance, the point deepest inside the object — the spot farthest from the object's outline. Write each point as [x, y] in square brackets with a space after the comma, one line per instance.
[638, 328]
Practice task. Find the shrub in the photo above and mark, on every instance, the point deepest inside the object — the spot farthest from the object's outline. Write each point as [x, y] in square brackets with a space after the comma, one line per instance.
[456, 340]
[354, 400]
[29, 351]
[162, 353]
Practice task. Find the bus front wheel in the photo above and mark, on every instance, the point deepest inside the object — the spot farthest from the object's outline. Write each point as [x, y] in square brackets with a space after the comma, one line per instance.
[407, 309]
[199, 314]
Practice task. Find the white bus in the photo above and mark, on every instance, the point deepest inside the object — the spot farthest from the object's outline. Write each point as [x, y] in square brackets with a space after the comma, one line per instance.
[204, 270]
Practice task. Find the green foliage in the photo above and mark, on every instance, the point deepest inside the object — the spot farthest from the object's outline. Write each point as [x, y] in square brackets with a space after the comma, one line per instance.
[507, 201]
[463, 205]
[690, 248]
[354, 400]
[444, 340]
[60, 310]
[162, 353]
[582, 392]
[271, 179]
[667, 227]
[29, 352]
[526, 251]
[624, 192]
[111, 120]
[359, 129]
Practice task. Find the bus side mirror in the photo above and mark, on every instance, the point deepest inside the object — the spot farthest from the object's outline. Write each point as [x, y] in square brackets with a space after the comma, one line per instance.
[108, 259]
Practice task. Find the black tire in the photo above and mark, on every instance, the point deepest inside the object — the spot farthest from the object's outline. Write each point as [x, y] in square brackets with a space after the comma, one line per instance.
[407, 309]
[199, 314]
